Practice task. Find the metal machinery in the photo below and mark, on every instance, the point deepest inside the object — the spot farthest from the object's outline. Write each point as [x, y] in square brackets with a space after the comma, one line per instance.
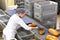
[46, 13]
[27, 35]
[29, 6]
[20, 3]
[3, 19]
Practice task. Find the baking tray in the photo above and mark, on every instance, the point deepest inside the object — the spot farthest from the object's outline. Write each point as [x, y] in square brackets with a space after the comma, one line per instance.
[24, 33]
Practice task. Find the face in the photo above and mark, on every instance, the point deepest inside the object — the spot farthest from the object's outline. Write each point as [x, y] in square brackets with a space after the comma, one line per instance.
[22, 15]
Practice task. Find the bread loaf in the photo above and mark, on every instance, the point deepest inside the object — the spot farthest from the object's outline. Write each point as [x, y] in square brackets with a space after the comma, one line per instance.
[50, 37]
[53, 32]
[33, 24]
[33, 39]
[41, 31]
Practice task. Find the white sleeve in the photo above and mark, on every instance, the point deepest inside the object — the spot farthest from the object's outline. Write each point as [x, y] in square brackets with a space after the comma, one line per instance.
[22, 24]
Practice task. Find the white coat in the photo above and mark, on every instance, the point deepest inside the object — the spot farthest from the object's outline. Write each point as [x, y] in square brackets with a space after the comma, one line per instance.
[12, 25]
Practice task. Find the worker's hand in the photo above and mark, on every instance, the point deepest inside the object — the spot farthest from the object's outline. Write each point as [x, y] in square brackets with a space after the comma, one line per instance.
[29, 25]
[33, 28]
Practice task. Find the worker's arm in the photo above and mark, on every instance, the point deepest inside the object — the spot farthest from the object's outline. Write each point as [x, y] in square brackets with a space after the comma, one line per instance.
[22, 24]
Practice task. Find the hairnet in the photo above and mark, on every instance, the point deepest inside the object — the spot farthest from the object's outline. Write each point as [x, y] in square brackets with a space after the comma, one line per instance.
[20, 10]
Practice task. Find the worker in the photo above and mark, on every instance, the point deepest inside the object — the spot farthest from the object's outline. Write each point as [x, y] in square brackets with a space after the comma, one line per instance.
[10, 30]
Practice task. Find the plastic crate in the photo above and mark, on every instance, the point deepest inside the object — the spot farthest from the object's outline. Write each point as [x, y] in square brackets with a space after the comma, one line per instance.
[29, 13]
[46, 13]
[46, 8]
[19, 2]
[29, 5]
[31, 37]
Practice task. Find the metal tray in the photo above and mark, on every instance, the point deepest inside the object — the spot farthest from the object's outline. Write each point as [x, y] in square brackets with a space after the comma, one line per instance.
[24, 33]
[30, 38]
[28, 35]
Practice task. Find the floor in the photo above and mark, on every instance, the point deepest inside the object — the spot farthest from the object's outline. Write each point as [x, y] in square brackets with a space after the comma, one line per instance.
[58, 22]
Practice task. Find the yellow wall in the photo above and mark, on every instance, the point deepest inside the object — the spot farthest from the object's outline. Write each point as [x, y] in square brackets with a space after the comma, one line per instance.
[9, 3]
[2, 4]
[5, 3]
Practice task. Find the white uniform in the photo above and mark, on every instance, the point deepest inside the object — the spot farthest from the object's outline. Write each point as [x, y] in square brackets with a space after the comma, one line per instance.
[10, 30]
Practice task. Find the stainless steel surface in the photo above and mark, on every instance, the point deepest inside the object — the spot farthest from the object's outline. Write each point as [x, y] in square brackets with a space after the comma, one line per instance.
[2, 12]
[46, 13]
[3, 18]
[31, 37]
[24, 33]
